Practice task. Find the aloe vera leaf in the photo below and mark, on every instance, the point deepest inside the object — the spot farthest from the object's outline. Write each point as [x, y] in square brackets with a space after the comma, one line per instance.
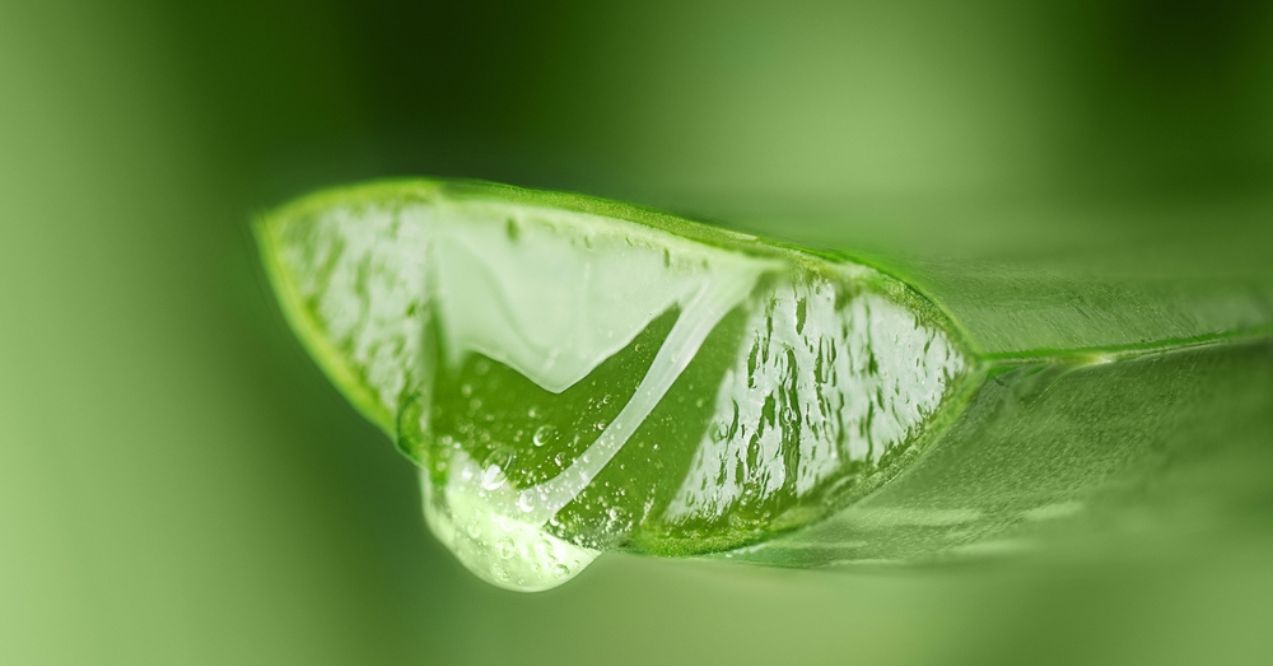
[353, 270]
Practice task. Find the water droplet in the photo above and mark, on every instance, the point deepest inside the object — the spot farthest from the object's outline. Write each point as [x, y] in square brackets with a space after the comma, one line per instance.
[523, 503]
[492, 478]
[545, 434]
[502, 456]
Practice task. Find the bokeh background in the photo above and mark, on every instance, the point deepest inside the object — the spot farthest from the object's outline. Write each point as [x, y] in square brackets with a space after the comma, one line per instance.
[180, 485]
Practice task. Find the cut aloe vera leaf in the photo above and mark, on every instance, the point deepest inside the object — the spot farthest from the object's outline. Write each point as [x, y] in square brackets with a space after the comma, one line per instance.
[574, 375]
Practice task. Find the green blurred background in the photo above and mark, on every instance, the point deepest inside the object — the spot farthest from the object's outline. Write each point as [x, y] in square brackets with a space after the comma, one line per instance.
[180, 485]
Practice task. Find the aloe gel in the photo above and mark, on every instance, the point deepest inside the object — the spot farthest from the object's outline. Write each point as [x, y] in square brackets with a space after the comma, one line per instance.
[571, 383]
[574, 376]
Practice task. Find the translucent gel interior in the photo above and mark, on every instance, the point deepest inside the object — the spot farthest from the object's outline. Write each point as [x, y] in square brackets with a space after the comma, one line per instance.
[571, 384]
